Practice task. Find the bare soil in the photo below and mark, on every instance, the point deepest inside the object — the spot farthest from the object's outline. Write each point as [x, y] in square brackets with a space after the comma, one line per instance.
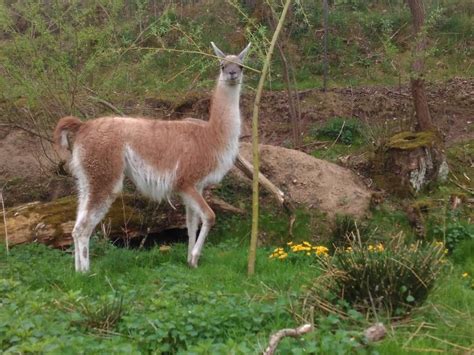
[451, 105]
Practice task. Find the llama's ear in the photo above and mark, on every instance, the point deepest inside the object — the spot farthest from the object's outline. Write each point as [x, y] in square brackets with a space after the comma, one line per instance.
[218, 52]
[244, 52]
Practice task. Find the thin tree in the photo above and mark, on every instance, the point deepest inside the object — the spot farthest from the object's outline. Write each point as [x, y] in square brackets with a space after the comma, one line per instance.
[256, 105]
[290, 83]
[325, 43]
[417, 80]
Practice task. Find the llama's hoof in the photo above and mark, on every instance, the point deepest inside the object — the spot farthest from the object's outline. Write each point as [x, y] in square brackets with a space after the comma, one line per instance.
[193, 263]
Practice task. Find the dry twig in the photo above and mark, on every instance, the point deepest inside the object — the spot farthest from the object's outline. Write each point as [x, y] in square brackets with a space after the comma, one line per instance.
[288, 332]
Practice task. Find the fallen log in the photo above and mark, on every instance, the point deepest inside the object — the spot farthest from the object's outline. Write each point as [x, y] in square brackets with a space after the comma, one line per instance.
[130, 217]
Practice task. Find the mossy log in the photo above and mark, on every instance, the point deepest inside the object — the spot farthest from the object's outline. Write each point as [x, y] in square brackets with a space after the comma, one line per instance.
[409, 161]
[129, 217]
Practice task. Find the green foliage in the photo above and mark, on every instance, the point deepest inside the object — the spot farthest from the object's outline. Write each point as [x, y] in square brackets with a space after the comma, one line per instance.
[344, 130]
[454, 230]
[390, 279]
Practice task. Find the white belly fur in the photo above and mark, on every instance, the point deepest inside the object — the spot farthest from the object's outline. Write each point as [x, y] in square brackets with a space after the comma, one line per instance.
[150, 181]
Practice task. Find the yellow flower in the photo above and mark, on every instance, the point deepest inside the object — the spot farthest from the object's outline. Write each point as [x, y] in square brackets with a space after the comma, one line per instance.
[307, 244]
[439, 244]
[370, 248]
[349, 250]
[283, 256]
[289, 243]
[308, 254]
[465, 275]
[379, 247]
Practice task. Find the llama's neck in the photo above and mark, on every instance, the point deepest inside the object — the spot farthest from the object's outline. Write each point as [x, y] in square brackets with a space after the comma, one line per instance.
[224, 117]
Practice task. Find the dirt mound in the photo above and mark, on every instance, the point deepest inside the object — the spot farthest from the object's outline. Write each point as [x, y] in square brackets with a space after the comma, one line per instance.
[313, 182]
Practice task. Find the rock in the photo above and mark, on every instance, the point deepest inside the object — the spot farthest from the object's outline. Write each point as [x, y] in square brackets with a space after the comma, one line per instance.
[375, 333]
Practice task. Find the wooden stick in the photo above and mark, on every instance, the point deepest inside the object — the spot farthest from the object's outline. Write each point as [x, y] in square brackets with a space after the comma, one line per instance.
[246, 167]
[288, 332]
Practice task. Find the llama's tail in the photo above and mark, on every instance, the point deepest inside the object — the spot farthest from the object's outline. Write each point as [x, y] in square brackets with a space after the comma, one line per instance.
[68, 124]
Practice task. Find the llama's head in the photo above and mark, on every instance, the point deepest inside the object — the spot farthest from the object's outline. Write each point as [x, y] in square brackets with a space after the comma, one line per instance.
[231, 65]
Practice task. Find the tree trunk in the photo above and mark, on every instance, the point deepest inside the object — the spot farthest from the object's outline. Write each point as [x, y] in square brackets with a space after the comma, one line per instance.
[326, 33]
[417, 81]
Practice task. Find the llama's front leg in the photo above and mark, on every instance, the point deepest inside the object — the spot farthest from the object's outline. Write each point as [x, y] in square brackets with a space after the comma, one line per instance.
[201, 209]
[192, 222]
[208, 222]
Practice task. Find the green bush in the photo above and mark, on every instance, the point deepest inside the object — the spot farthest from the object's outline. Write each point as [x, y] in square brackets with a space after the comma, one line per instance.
[374, 278]
[343, 129]
[453, 231]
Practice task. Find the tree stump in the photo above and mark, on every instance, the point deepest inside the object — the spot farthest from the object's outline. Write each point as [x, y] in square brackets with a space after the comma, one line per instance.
[410, 161]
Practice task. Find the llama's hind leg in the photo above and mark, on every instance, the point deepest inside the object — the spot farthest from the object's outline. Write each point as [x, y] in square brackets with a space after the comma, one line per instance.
[192, 223]
[91, 210]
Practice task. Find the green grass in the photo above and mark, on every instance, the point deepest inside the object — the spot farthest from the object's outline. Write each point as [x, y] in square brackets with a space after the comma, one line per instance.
[144, 301]
[46, 306]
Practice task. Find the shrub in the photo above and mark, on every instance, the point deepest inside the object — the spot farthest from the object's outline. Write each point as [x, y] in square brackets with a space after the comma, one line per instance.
[374, 278]
[343, 129]
[454, 231]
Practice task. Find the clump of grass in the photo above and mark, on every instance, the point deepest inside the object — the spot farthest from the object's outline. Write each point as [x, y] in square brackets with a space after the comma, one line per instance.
[389, 279]
[346, 226]
[103, 316]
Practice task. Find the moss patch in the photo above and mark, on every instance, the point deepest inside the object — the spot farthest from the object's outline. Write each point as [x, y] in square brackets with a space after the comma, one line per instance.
[413, 140]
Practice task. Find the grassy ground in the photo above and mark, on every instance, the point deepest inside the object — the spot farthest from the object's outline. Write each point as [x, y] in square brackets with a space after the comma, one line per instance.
[144, 300]
[150, 301]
